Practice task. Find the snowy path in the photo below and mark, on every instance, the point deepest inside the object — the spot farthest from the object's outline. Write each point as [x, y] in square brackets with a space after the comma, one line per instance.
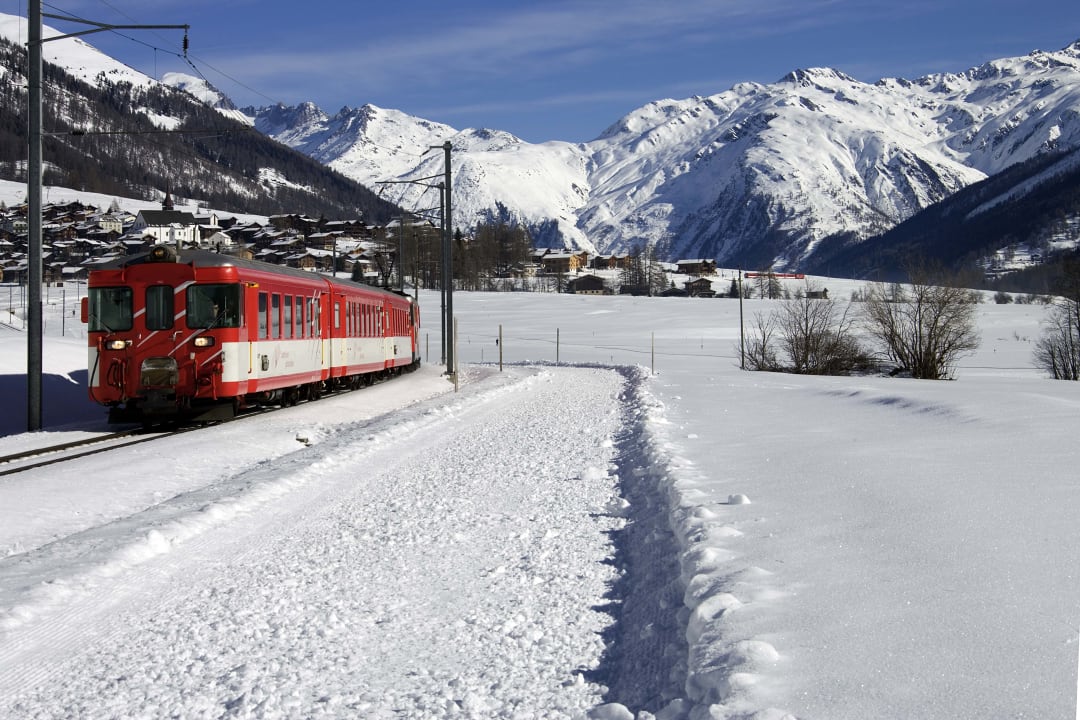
[455, 560]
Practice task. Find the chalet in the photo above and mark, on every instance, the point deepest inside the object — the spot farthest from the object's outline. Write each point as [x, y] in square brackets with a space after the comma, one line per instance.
[564, 262]
[817, 294]
[673, 292]
[294, 221]
[609, 262]
[700, 287]
[323, 240]
[696, 267]
[303, 260]
[587, 285]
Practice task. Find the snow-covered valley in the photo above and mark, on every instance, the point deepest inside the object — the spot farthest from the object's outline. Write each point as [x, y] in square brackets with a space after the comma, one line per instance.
[639, 528]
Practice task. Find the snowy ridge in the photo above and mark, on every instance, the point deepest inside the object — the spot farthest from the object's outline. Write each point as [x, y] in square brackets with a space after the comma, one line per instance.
[85, 62]
[727, 669]
[207, 94]
[76, 57]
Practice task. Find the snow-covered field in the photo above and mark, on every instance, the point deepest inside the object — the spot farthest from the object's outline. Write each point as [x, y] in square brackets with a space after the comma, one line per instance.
[619, 522]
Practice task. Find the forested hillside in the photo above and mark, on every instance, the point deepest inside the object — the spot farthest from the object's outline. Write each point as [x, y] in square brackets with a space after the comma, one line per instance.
[116, 138]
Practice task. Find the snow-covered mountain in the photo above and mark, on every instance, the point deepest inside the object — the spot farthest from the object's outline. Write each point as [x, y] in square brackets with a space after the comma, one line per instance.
[756, 174]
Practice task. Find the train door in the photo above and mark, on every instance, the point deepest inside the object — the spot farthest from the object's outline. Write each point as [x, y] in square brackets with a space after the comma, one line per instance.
[386, 333]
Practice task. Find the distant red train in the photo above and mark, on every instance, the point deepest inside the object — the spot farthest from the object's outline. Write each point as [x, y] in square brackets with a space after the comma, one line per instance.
[201, 336]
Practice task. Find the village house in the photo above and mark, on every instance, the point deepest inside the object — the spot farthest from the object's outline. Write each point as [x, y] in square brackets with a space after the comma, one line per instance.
[116, 222]
[167, 227]
[610, 262]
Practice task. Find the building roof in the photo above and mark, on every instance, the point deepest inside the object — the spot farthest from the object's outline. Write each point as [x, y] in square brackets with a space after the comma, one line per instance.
[161, 218]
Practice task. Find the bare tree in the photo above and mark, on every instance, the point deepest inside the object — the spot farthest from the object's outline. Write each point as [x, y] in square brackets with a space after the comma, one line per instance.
[1058, 350]
[759, 348]
[807, 334]
[818, 336]
[923, 327]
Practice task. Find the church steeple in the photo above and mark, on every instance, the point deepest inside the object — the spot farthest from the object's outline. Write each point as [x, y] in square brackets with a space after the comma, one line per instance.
[167, 203]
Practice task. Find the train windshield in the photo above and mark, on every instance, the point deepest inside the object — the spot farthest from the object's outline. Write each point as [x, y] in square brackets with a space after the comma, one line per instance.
[213, 305]
[110, 309]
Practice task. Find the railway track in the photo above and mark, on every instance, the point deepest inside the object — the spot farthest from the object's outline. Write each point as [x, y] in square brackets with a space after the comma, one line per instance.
[52, 454]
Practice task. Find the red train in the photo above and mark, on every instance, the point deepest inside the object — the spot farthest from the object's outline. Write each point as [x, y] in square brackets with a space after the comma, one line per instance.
[201, 336]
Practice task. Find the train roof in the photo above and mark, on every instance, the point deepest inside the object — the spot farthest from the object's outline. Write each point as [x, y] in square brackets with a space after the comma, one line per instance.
[209, 258]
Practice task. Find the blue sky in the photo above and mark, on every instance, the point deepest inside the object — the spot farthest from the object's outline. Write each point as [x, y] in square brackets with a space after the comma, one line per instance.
[554, 70]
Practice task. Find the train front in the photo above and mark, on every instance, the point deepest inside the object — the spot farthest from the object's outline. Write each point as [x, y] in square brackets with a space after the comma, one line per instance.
[156, 329]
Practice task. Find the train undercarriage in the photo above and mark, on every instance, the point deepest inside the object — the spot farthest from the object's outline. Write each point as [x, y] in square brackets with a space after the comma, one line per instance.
[161, 406]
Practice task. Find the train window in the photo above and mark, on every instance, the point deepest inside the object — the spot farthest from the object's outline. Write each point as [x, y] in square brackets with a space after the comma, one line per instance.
[110, 309]
[264, 315]
[300, 327]
[159, 307]
[313, 316]
[213, 305]
[337, 315]
[286, 319]
[275, 316]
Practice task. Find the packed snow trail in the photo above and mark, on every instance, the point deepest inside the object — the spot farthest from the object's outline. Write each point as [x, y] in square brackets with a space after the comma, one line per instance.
[454, 561]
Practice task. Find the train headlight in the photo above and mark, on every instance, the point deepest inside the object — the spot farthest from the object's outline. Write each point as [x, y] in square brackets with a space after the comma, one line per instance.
[204, 341]
[116, 344]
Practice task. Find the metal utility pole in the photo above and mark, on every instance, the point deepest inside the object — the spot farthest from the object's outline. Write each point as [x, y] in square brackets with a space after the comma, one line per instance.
[35, 327]
[742, 332]
[401, 255]
[448, 257]
[33, 198]
[443, 273]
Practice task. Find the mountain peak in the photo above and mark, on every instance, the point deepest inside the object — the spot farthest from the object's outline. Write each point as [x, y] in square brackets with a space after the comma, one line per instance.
[810, 77]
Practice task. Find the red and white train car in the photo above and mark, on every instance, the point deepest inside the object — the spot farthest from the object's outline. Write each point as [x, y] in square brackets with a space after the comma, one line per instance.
[203, 335]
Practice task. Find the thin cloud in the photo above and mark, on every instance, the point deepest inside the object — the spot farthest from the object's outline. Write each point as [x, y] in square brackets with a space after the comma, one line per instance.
[525, 43]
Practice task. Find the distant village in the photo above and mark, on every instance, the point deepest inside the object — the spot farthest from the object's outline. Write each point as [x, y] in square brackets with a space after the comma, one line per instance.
[77, 237]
